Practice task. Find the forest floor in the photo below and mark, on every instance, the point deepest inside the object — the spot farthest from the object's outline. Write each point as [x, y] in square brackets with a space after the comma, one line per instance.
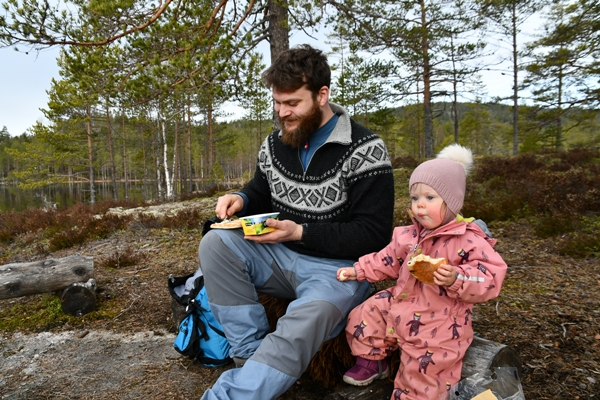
[548, 311]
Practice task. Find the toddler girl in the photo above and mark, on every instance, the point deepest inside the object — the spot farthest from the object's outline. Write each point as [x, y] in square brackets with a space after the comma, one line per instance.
[431, 324]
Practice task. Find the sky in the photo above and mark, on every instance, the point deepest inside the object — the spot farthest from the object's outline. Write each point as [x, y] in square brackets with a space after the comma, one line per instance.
[27, 77]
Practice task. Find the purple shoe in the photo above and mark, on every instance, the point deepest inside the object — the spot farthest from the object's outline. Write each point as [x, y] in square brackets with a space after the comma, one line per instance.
[366, 371]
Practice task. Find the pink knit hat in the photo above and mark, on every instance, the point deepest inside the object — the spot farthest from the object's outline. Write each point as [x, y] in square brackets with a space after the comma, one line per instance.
[447, 175]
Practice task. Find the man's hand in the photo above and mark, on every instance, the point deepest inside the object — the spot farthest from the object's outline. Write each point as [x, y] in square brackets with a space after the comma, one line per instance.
[228, 205]
[285, 231]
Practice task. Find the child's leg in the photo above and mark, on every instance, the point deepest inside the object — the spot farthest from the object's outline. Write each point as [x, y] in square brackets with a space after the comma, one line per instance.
[367, 327]
[366, 334]
[427, 372]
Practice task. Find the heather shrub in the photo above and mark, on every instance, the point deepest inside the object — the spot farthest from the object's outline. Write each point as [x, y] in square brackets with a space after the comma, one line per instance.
[558, 192]
[104, 226]
[583, 242]
[516, 168]
[13, 224]
[66, 238]
[148, 221]
[79, 224]
[494, 200]
[184, 219]
[547, 225]
[121, 258]
[581, 245]
[405, 162]
[545, 187]
[103, 206]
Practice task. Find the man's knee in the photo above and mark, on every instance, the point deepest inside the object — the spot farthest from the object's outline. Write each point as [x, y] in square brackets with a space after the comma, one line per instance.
[210, 246]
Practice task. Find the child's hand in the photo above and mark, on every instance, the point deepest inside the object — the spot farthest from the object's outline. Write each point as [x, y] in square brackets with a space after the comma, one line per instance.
[346, 274]
[445, 275]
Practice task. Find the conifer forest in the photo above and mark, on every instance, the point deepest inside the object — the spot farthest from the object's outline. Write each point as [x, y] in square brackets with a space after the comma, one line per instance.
[143, 85]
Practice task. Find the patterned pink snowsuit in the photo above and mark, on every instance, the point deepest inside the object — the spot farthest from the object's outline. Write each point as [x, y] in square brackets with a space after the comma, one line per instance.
[431, 324]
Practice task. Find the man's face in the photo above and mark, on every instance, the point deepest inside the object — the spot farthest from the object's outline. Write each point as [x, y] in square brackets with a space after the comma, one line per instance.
[299, 115]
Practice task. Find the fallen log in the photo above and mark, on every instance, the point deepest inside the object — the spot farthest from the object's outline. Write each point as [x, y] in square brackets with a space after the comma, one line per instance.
[79, 298]
[485, 355]
[51, 275]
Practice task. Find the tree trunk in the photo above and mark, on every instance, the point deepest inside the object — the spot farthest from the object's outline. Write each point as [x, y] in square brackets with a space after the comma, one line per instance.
[189, 146]
[515, 81]
[454, 92]
[165, 160]
[175, 169]
[278, 27]
[559, 108]
[211, 145]
[91, 155]
[125, 172]
[111, 153]
[22, 279]
[428, 113]
[279, 34]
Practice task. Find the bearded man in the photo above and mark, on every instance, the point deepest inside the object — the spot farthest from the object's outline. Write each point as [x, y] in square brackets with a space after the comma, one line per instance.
[331, 181]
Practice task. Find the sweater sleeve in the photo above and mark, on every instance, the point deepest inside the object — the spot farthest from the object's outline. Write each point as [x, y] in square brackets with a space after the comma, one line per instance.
[481, 270]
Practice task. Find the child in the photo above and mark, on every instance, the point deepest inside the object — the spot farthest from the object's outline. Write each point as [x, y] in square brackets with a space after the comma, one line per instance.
[430, 323]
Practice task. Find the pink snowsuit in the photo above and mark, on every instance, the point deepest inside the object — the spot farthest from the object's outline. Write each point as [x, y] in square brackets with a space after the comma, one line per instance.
[431, 324]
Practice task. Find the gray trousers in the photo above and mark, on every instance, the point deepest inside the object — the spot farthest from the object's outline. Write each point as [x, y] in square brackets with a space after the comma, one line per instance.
[234, 270]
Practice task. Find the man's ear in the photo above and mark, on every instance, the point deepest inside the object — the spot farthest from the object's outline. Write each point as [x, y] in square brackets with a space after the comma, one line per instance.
[323, 96]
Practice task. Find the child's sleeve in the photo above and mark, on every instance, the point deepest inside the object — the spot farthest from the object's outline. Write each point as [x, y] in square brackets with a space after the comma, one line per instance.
[481, 271]
[384, 264]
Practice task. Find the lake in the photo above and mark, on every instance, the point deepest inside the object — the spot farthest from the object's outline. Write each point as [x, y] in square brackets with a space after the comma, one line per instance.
[65, 195]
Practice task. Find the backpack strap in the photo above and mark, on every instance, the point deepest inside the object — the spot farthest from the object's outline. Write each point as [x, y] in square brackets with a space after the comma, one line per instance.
[201, 310]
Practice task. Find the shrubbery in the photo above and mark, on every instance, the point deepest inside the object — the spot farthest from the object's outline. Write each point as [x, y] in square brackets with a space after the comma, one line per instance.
[558, 192]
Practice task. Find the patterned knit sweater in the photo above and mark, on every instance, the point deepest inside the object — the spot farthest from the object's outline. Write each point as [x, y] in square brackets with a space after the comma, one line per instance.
[346, 194]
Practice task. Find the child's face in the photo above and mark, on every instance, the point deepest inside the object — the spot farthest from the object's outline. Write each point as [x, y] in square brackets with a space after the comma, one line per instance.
[427, 206]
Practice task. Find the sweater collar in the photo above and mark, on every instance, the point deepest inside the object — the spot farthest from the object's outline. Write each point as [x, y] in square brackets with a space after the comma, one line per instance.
[342, 133]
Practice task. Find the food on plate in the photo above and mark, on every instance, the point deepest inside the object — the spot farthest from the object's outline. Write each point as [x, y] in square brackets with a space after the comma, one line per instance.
[422, 267]
[227, 224]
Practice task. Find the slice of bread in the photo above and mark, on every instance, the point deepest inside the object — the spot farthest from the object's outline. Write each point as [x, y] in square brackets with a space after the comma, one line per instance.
[228, 224]
[422, 267]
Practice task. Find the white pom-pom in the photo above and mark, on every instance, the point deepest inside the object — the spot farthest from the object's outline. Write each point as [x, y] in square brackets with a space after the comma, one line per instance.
[459, 154]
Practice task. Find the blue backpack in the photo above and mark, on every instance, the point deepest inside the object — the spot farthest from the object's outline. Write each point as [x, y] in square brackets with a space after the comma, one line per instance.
[199, 336]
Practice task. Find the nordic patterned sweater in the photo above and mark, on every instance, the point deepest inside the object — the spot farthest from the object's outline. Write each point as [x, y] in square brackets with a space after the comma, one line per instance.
[346, 194]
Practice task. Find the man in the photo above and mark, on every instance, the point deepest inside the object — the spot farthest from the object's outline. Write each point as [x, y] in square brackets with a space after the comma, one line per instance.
[331, 180]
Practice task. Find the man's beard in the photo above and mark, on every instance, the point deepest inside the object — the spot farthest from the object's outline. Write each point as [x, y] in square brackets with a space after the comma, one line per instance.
[307, 125]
